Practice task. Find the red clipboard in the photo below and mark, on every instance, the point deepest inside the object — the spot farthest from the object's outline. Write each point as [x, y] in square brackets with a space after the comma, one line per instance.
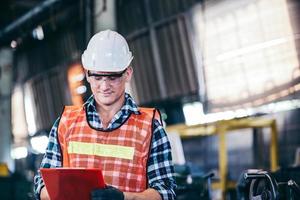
[71, 183]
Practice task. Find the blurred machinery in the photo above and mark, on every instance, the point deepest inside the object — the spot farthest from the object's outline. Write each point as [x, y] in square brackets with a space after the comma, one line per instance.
[192, 181]
[220, 128]
[14, 186]
[262, 185]
[192, 184]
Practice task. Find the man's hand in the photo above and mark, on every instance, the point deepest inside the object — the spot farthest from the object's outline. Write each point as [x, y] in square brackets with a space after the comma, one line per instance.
[44, 194]
[107, 193]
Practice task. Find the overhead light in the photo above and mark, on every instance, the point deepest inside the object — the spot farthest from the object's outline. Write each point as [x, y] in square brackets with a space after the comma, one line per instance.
[38, 33]
[39, 143]
[252, 48]
[193, 113]
[81, 89]
[13, 44]
[19, 152]
[29, 110]
[78, 77]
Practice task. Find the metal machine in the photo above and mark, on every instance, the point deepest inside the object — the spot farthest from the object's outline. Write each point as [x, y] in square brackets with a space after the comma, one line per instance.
[263, 185]
[192, 185]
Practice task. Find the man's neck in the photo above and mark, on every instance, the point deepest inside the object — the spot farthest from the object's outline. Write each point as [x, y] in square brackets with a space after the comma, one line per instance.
[107, 112]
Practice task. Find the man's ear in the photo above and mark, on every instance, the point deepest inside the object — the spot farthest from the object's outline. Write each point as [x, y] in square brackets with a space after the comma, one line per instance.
[86, 75]
[129, 73]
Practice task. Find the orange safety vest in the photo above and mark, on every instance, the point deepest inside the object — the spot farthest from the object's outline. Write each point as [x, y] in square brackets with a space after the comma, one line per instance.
[122, 153]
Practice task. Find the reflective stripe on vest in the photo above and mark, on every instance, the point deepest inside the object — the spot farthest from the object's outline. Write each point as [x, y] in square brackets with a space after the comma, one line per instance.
[106, 150]
[122, 154]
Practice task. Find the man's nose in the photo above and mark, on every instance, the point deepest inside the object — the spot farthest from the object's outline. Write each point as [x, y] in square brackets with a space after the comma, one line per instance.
[104, 84]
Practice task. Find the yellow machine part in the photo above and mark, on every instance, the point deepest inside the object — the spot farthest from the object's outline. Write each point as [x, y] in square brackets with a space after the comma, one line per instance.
[4, 172]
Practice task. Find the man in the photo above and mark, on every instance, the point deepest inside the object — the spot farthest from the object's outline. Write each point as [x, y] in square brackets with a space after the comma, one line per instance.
[110, 116]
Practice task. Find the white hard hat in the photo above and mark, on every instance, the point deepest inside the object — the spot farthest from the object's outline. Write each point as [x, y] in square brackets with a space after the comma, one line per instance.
[107, 51]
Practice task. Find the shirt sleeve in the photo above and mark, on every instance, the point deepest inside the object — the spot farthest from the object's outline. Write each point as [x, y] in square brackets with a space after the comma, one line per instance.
[51, 159]
[160, 168]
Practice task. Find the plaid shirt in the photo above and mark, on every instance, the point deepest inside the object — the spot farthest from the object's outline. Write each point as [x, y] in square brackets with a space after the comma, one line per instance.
[160, 168]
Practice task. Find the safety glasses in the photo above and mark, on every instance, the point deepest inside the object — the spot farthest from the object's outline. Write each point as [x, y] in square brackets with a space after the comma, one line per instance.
[111, 78]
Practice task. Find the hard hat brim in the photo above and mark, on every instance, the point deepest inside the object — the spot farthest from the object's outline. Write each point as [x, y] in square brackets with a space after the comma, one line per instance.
[105, 68]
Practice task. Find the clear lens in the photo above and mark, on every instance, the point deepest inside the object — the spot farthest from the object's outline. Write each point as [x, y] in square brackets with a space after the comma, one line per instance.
[109, 78]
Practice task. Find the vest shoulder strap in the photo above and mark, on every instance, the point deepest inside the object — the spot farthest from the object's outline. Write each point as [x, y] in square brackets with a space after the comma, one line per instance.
[72, 108]
[71, 111]
[153, 112]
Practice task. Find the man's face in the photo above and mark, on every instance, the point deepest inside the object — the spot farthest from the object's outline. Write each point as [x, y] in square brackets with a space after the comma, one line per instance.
[108, 88]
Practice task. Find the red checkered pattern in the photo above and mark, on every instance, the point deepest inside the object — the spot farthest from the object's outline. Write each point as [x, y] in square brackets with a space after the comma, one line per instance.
[125, 174]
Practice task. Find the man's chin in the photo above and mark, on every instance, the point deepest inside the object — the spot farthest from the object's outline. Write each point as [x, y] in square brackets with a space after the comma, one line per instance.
[105, 100]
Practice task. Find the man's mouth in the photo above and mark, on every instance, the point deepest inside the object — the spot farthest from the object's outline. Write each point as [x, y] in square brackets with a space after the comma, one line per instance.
[106, 93]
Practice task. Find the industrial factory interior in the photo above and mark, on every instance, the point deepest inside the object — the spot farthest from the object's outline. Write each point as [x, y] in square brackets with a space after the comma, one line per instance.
[224, 75]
